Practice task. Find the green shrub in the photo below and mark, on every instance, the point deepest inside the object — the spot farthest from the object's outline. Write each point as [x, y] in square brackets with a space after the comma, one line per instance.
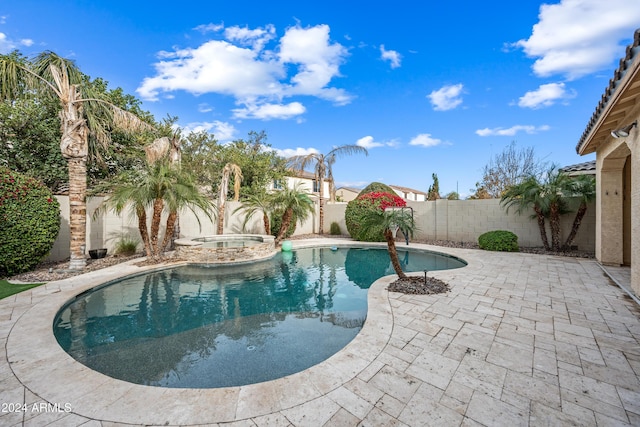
[335, 229]
[357, 209]
[126, 246]
[499, 240]
[29, 222]
[276, 223]
[376, 187]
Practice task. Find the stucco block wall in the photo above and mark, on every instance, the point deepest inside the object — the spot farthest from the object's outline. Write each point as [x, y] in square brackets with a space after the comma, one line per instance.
[105, 229]
[466, 220]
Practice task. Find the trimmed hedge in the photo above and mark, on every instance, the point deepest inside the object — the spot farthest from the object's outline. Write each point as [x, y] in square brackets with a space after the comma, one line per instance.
[29, 222]
[499, 240]
[357, 208]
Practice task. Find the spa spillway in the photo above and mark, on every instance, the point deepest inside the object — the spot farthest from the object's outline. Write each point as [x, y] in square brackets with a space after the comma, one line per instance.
[225, 248]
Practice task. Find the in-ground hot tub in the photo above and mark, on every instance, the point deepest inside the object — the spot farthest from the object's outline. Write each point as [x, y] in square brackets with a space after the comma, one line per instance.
[225, 248]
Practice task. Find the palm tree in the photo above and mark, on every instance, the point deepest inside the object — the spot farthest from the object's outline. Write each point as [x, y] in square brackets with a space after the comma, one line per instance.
[390, 220]
[255, 203]
[546, 197]
[229, 168]
[323, 167]
[524, 196]
[583, 187]
[295, 204]
[85, 118]
[161, 187]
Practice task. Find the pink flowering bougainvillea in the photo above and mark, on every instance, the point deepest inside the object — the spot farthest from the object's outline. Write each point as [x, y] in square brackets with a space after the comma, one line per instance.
[384, 200]
[365, 202]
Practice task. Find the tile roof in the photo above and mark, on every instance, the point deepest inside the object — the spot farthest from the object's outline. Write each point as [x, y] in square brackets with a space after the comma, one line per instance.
[625, 65]
[580, 167]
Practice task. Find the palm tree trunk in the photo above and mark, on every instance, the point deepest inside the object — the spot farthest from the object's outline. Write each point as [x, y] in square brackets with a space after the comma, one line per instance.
[155, 226]
[220, 229]
[582, 210]
[286, 221]
[542, 228]
[77, 212]
[554, 222]
[393, 254]
[321, 208]
[74, 147]
[142, 228]
[266, 223]
[168, 233]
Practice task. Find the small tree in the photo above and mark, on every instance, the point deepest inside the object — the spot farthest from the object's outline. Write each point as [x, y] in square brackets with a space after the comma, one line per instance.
[390, 220]
[547, 197]
[452, 196]
[294, 204]
[583, 187]
[364, 203]
[254, 203]
[434, 190]
[159, 187]
[508, 168]
[323, 169]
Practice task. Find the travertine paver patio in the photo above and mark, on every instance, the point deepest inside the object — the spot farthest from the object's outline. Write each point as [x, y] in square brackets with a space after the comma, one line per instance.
[519, 340]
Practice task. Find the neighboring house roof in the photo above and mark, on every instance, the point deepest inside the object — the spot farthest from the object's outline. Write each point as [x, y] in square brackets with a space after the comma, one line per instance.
[618, 99]
[407, 190]
[580, 168]
[353, 190]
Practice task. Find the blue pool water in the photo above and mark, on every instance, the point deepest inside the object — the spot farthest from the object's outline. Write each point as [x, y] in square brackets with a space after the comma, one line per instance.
[205, 327]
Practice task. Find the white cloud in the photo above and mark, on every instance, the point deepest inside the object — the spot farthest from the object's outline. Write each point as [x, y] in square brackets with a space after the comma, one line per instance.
[390, 55]
[257, 38]
[290, 152]
[209, 28]
[447, 97]
[512, 130]
[223, 131]
[303, 63]
[545, 96]
[7, 44]
[425, 140]
[318, 61]
[368, 142]
[578, 37]
[204, 108]
[269, 111]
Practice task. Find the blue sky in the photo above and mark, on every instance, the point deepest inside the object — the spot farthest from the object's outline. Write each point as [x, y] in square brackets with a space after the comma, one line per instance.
[426, 87]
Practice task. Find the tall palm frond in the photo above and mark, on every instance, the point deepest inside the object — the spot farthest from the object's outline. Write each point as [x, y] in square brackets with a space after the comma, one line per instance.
[323, 168]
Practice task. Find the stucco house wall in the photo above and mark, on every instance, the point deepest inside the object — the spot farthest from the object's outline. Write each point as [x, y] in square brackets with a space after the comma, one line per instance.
[617, 229]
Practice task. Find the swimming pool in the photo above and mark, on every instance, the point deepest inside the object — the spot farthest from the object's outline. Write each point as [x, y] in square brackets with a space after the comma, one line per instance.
[208, 327]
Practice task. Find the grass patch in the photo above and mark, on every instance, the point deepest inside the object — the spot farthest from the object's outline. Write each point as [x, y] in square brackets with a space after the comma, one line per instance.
[8, 289]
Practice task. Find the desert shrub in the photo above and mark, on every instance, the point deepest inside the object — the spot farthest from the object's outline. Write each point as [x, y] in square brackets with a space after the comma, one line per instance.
[498, 240]
[126, 245]
[29, 222]
[334, 230]
[357, 209]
